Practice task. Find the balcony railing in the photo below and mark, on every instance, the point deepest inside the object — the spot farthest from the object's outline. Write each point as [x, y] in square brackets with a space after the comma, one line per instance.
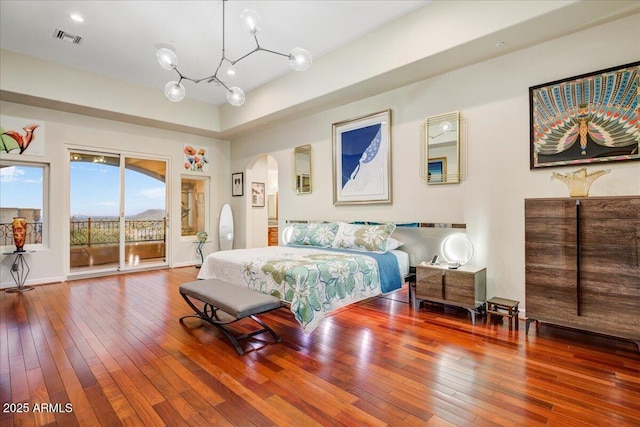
[32, 237]
[95, 232]
[91, 232]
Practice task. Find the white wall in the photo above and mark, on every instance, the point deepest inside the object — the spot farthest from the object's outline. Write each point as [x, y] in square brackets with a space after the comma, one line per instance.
[65, 130]
[492, 97]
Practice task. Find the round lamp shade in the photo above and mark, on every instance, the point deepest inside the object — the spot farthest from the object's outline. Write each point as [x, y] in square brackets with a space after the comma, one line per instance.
[235, 96]
[167, 58]
[457, 248]
[174, 91]
[300, 59]
[250, 21]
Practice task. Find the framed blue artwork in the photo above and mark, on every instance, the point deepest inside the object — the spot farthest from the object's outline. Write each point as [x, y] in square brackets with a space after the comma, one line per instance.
[362, 160]
[437, 169]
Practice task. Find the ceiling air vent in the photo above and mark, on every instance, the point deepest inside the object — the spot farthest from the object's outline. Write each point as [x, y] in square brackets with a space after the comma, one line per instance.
[67, 37]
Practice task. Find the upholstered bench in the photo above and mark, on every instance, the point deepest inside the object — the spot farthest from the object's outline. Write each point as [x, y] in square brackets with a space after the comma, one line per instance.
[225, 303]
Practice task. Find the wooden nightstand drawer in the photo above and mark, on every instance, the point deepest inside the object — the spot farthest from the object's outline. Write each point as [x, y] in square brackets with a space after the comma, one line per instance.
[462, 287]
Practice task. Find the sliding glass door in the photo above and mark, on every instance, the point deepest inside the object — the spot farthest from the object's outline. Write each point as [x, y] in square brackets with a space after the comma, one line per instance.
[145, 211]
[118, 212]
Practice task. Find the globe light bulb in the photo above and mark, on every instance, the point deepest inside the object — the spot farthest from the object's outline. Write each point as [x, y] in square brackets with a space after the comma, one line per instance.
[446, 127]
[167, 58]
[250, 21]
[235, 96]
[300, 59]
[174, 91]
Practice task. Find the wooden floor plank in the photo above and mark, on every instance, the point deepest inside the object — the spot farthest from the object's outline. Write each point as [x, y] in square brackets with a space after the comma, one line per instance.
[113, 348]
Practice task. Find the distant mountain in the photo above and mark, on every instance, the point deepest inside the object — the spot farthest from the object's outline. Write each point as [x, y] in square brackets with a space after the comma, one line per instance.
[154, 214]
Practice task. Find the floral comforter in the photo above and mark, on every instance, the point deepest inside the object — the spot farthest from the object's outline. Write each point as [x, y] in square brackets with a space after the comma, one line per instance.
[313, 281]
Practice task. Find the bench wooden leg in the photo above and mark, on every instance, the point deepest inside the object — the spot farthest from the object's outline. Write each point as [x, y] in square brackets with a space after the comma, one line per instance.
[218, 318]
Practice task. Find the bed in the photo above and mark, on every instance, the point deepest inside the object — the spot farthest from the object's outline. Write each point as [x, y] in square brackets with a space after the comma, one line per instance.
[324, 267]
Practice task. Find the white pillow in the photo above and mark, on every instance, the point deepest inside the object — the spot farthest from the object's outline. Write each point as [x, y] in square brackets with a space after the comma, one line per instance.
[393, 244]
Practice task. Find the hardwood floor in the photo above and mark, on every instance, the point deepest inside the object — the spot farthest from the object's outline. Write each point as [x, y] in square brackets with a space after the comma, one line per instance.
[110, 351]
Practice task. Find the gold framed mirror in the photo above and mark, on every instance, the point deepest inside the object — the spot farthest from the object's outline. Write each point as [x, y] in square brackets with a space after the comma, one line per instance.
[302, 168]
[442, 147]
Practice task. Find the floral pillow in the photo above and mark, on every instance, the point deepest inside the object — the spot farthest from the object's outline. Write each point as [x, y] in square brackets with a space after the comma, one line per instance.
[374, 238]
[314, 234]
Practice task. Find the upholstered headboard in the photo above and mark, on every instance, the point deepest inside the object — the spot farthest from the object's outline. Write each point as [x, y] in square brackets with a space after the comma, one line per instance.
[421, 240]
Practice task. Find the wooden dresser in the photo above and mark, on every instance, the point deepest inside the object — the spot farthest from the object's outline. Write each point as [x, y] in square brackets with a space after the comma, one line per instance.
[464, 287]
[272, 236]
[582, 259]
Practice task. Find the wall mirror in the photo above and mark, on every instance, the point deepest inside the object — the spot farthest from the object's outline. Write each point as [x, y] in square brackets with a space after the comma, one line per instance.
[226, 228]
[442, 141]
[302, 168]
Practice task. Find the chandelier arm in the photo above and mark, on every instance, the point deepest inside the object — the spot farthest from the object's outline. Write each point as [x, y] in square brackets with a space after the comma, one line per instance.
[215, 74]
[235, 95]
[257, 49]
[222, 83]
[277, 53]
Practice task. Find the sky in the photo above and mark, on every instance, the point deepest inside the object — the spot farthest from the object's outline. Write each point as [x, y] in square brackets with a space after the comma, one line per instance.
[21, 187]
[94, 189]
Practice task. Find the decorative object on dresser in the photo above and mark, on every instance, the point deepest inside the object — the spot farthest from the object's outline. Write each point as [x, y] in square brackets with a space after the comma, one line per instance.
[579, 182]
[586, 119]
[582, 259]
[465, 287]
[362, 160]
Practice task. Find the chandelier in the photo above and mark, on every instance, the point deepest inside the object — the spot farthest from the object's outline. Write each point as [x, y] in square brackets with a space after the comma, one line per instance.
[299, 59]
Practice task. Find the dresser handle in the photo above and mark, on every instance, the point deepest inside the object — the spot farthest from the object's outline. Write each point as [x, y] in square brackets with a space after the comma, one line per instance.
[578, 256]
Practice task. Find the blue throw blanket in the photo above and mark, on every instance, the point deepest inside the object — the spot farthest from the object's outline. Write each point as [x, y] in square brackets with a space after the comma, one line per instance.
[389, 270]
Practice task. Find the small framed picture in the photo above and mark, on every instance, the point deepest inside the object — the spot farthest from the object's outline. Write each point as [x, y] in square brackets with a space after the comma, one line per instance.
[237, 184]
[257, 194]
[437, 169]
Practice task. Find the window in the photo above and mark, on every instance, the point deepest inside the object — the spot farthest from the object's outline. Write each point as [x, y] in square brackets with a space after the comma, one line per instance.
[193, 205]
[23, 190]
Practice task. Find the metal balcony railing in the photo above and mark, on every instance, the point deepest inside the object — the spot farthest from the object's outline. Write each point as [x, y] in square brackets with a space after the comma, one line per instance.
[33, 236]
[94, 232]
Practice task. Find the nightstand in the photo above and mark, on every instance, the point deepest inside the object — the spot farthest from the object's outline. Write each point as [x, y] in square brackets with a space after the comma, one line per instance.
[465, 287]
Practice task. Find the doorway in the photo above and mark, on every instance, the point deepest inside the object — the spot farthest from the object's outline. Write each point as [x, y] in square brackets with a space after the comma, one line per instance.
[262, 219]
[118, 208]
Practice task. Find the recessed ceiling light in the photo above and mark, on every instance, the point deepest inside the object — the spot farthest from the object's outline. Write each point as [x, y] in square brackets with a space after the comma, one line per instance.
[76, 17]
[499, 44]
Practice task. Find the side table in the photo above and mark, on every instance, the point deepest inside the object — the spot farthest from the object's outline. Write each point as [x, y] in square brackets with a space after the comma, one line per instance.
[199, 251]
[19, 271]
[501, 307]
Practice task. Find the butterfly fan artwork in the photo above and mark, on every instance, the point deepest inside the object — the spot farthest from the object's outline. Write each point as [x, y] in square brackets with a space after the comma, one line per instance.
[21, 136]
[586, 119]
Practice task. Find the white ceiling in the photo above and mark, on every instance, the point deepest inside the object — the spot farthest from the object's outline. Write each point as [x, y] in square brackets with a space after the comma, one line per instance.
[120, 38]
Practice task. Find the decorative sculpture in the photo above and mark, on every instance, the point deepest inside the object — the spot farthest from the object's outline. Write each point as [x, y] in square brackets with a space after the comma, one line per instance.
[579, 182]
[19, 225]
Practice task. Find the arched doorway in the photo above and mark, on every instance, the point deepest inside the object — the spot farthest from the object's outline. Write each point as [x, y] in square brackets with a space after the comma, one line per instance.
[262, 201]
